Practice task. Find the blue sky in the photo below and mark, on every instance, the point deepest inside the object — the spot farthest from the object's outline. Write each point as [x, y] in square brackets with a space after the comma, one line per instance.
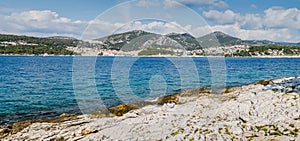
[74, 9]
[275, 20]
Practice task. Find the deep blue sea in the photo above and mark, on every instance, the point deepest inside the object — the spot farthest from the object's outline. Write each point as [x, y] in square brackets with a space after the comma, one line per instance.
[34, 87]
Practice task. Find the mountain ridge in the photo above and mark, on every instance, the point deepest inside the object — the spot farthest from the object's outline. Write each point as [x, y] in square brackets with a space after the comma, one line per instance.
[146, 39]
[139, 39]
[216, 38]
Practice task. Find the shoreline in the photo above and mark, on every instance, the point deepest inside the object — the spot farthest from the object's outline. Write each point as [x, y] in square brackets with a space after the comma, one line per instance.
[172, 115]
[32, 55]
[154, 56]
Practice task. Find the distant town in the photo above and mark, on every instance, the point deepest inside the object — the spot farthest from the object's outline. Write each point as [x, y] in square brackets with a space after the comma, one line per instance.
[228, 51]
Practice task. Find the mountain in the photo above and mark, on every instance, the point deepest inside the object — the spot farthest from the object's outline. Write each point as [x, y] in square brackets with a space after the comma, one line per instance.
[187, 41]
[117, 41]
[138, 39]
[218, 39]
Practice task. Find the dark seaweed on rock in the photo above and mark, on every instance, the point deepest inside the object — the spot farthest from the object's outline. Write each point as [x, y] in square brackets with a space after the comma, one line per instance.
[264, 82]
[168, 99]
[120, 110]
[196, 92]
[229, 90]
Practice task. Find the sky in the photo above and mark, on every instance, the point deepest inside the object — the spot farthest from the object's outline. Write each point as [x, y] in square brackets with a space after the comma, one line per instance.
[274, 20]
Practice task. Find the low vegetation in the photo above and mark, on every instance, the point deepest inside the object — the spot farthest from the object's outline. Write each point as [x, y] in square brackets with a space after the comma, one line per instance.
[267, 50]
[284, 49]
[34, 50]
[40, 41]
[155, 51]
[24, 45]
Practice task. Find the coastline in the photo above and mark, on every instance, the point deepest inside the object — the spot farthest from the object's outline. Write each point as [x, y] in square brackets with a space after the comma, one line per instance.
[264, 110]
[32, 55]
[151, 56]
[267, 57]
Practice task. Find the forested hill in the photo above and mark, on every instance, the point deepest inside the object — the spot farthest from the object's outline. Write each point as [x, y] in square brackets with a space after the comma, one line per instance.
[13, 44]
[57, 42]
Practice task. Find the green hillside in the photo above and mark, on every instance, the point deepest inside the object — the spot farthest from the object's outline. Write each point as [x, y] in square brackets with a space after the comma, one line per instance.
[218, 39]
[22, 45]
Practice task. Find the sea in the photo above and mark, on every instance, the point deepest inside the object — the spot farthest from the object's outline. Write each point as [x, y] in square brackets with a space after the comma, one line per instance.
[34, 87]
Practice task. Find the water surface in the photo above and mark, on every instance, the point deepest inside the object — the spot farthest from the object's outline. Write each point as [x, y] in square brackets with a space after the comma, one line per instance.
[34, 87]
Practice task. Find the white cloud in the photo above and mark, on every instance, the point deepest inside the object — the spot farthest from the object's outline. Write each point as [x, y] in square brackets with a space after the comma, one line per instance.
[248, 21]
[146, 3]
[283, 34]
[253, 6]
[158, 27]
[251, 21]
[275, 23]
[277, 17]
[49, 23]
[227, 17]
[98, 28]
[170, 4]
[34, 22]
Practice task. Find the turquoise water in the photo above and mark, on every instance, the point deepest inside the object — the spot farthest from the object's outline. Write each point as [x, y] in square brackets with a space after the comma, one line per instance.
[40, 87]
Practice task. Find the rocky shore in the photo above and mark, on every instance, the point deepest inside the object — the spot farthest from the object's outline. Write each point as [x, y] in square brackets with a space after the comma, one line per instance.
[266, 110]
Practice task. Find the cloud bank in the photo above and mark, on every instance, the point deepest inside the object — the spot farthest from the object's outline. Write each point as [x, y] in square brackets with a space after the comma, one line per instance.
[276, 23]
[39, 23]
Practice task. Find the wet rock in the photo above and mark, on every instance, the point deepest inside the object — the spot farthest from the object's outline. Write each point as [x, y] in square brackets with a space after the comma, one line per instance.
[66, 115]
[121, 109]
[168, 99]
[5, 130]
[101, 114]
[288, 90]
[229, 90]
[264, 82]
[196, 92]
